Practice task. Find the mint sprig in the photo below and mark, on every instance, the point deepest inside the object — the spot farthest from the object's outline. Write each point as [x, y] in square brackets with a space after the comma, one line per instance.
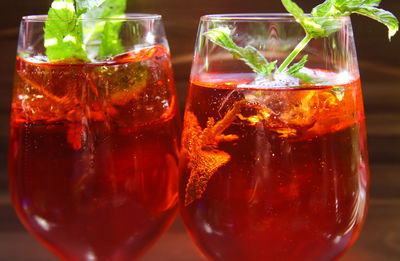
[314, 28]
[69, 36]
[107, 32]
[297, 66]
[368, 8]
[110, 43]
[250, 55]
[63, 37]
[316, 25]
[83, 5]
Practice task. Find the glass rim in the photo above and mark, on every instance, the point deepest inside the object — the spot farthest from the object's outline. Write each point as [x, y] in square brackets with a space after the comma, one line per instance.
[126, 17]
[287, 17]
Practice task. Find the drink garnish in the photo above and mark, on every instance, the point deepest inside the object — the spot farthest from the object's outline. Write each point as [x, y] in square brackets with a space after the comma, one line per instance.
[68, 37]
[315, 25]
[201, 146]
[63, 38]
[204, 157]
[250, 55]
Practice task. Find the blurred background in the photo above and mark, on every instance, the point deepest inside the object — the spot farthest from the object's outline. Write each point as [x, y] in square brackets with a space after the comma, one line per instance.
[379, 62]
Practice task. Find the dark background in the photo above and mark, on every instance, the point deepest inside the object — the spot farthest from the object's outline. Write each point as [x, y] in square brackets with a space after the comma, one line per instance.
[379, 62]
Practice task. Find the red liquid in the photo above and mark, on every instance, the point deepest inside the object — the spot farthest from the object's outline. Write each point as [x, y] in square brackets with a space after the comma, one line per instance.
[93, 154]
[295, 185]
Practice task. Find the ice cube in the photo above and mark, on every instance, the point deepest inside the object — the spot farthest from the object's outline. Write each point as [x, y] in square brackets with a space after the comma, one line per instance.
[121, 82]
[138, 84]
[300, 110]
[45, 91]
[278, 82]
[289, 109]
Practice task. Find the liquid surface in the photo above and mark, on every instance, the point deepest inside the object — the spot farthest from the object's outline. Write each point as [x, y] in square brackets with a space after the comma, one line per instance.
[93, 154]
[273, 173]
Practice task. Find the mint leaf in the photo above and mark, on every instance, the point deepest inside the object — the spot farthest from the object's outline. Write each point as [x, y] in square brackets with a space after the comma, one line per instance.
[220, 36]
[63, 37]
[83, 5]
[307, 78]
[96, 31]
[110, 43]
[250, 55]
[325, 9]
[318, 25]
[104, 8]
[335, 8]
[368, 8]
[318, 28]
[253, 58]
[67, 36]
[382, 16]
[294, 9]
[295, 68]
[312, 28]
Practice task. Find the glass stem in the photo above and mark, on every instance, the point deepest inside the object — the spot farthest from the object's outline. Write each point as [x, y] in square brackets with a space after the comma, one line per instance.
[294, 53]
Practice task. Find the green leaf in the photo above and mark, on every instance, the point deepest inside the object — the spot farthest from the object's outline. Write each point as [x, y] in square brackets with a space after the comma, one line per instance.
[318, 28]
[348, 4]
[69, 37]
[110, 42]
[88, 4]
[293, 8]
[325, 9]
[336, 8]
[63, 33]
[255, 60]
[306, 78]
[319, 25]
[220, 36]
[96, 31]
[83, 5]
[295, 68]
[311, 27]
[250, 55]
[382, 16]
[106, 9]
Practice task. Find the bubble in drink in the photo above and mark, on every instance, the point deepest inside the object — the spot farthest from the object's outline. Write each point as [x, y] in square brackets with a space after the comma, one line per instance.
[93, 153]
[277, 192]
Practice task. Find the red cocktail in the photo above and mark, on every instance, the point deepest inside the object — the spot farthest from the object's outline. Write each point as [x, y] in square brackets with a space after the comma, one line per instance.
[288, 180]
[273, 164]
[93, 153]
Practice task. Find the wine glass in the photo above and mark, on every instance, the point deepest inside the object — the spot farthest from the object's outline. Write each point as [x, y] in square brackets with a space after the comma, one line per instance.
[273, 168]
[93, 160]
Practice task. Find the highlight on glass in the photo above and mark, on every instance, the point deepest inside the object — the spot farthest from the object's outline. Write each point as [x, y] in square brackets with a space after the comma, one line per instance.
[93, 156]
[274, 161]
